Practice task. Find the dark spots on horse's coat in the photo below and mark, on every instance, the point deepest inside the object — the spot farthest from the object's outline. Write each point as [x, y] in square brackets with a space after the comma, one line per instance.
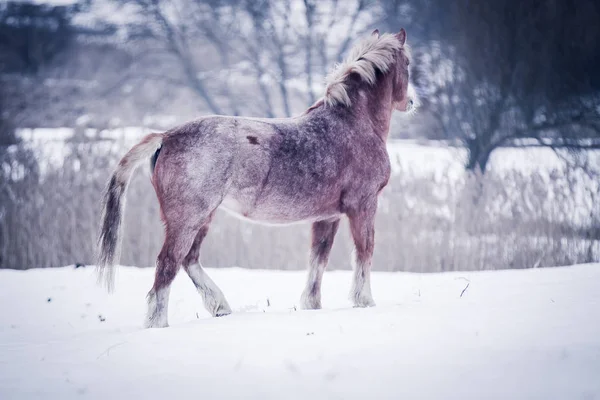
[252, 139]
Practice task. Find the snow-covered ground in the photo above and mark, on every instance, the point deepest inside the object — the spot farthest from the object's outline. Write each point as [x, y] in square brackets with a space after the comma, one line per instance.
[526, 334]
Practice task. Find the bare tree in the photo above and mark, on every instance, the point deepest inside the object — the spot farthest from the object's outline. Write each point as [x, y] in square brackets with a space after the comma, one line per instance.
[230, 52]
[516, 73]
[494, 73]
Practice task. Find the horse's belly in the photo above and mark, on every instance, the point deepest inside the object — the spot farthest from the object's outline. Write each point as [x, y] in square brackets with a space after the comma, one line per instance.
[272, 215]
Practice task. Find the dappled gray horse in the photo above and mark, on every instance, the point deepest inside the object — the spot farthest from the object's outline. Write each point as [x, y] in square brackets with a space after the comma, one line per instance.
[328, 162]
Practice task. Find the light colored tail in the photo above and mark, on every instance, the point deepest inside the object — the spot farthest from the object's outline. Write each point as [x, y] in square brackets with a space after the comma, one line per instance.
[114, 204]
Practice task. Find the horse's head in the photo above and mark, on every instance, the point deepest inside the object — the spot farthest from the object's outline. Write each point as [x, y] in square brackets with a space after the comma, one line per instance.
[369, 60]
[403, 94]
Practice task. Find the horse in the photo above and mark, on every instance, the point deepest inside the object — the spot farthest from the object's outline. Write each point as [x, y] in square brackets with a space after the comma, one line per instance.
[329, 162]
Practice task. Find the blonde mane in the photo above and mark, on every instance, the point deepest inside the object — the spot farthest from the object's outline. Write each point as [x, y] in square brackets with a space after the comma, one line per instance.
[372, 54]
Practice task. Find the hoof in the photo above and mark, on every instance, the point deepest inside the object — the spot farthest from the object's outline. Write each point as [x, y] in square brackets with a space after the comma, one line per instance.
[222, 310]
[310, 303]
[222, 313]
[363, 302]
[364, 305]
[154, 324]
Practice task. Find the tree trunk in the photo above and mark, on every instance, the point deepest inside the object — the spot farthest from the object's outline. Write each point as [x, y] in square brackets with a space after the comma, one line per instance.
[309, 13]
[282, 85]
[478, 154]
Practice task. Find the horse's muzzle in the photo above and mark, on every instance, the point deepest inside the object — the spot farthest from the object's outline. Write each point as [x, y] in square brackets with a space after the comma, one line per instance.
[405, 105]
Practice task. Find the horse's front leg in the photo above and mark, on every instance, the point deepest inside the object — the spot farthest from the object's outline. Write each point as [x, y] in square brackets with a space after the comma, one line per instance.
[323, 233]
[362, 227]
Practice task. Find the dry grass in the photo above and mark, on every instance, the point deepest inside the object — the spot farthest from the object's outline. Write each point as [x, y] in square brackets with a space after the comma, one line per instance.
[425, 223]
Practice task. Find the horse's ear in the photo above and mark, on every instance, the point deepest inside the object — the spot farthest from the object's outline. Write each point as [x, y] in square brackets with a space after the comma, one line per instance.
[401, 36]
[375, 33]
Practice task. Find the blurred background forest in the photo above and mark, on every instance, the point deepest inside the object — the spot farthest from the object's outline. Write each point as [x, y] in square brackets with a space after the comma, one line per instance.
[499, 168]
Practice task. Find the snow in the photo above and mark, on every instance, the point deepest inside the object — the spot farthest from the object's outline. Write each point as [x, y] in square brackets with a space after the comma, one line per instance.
[433, 156]
[519, 334]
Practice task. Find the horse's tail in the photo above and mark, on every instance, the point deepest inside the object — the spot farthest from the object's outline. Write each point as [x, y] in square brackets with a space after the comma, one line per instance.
[114, 203]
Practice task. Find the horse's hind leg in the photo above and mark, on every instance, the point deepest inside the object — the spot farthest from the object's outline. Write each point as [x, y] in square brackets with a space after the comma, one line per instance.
[178, 241]
[323, 233]
[212, 296]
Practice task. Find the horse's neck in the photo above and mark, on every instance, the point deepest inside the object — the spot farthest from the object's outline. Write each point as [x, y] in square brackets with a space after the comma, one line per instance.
[375, 103]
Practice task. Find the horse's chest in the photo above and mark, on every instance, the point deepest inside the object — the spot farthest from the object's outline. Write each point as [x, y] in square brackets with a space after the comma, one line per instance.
[370, 168]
